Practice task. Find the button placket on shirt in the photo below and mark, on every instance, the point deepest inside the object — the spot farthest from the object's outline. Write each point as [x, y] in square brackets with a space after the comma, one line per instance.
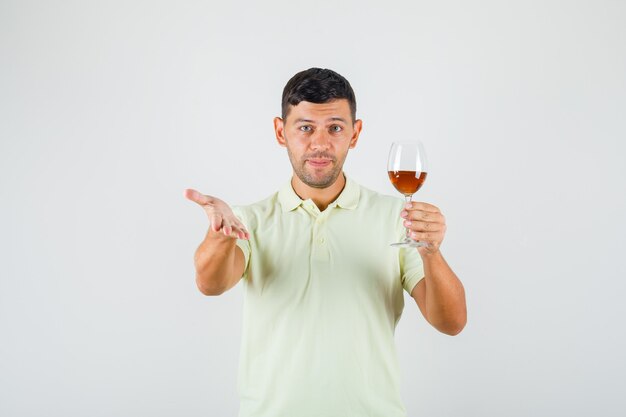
[319, 225]
[320, 248]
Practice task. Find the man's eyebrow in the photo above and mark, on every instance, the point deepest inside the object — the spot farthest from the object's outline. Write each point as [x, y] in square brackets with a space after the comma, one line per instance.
[330, 119]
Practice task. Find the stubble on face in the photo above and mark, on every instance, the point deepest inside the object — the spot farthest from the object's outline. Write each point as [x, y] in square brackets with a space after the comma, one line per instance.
[308, 174]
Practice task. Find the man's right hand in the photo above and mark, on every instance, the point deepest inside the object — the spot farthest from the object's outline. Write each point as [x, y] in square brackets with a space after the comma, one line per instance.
[221, 217]
[218, 260]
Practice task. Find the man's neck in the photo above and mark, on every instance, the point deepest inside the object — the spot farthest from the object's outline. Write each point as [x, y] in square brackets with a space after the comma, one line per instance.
[322, 197]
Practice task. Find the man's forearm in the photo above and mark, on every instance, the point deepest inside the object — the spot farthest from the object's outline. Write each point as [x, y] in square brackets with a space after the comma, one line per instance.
[214, 261]
[445, 296]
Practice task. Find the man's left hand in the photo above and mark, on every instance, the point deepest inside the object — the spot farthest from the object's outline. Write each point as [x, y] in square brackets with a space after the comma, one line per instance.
[426, 224]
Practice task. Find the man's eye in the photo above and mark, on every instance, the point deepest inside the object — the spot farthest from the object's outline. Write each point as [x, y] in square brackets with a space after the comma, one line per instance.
[305, 128]
[336, 128]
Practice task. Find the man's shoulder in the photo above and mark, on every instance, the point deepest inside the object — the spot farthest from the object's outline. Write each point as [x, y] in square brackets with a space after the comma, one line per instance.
[371, 198]
[262, 208]
[377, 208]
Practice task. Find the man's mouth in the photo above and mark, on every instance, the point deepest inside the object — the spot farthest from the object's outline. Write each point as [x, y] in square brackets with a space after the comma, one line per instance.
[319, 162]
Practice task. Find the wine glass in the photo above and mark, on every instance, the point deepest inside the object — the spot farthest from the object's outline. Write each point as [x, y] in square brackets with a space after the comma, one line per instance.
[407, 171]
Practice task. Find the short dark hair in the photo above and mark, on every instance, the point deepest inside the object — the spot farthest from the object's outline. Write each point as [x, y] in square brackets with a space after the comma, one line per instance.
[317, 85]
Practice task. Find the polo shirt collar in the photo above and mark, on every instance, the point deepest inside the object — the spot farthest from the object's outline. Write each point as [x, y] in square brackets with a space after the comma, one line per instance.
[288, 198]
[348, 199]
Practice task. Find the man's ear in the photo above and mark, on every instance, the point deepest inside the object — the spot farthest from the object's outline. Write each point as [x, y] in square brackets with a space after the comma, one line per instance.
[358, 125]
[279, 129]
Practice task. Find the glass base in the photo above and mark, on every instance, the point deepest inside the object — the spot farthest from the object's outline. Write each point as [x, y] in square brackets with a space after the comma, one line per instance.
[409, 243]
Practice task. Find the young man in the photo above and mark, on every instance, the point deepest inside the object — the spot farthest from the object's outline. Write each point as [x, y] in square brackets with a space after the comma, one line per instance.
[322, 285]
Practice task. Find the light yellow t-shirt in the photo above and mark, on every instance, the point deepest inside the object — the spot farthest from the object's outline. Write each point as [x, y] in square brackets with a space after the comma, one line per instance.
[322, 297]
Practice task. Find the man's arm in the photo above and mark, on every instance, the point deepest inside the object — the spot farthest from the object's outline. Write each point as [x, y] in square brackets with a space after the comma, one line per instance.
[440, 296]
[219, 262]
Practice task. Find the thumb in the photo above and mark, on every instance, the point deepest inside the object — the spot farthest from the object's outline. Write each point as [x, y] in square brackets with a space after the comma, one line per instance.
[196, 197]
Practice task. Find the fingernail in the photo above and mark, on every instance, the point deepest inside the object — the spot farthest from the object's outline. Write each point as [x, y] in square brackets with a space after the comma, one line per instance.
[408, 205]
[407, 223]
[404, 213]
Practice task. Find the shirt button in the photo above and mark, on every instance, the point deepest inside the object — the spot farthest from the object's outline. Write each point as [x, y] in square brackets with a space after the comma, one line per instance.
[321, 240]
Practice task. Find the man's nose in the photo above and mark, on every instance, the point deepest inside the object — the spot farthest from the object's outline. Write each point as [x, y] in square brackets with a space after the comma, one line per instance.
[320, 139]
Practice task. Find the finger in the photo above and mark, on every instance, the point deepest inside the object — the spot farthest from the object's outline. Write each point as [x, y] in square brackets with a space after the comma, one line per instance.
[417, 205]
[227, 227]
[197, 197]
[240, 225]
[426, 216]
[423, 226]
[216, 221]
[241, 233]
[426, 237]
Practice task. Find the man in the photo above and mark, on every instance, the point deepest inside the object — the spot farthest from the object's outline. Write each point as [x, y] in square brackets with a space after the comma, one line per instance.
[322, 285]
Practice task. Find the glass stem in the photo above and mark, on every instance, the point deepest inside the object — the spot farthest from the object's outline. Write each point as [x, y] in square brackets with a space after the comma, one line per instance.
[408, 232]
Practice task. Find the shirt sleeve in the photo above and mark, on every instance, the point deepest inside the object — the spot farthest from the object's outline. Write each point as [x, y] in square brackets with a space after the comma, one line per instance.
[411, 268]
[243, 244]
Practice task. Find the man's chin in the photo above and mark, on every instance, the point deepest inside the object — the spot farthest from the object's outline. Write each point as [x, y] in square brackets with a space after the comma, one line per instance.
[319, 182]
[320, 185]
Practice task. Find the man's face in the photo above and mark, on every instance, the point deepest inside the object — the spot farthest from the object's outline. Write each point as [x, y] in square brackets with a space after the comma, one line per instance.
[317, 138]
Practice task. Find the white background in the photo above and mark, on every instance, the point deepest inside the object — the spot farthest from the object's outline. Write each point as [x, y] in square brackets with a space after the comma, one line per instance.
[109, 110]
